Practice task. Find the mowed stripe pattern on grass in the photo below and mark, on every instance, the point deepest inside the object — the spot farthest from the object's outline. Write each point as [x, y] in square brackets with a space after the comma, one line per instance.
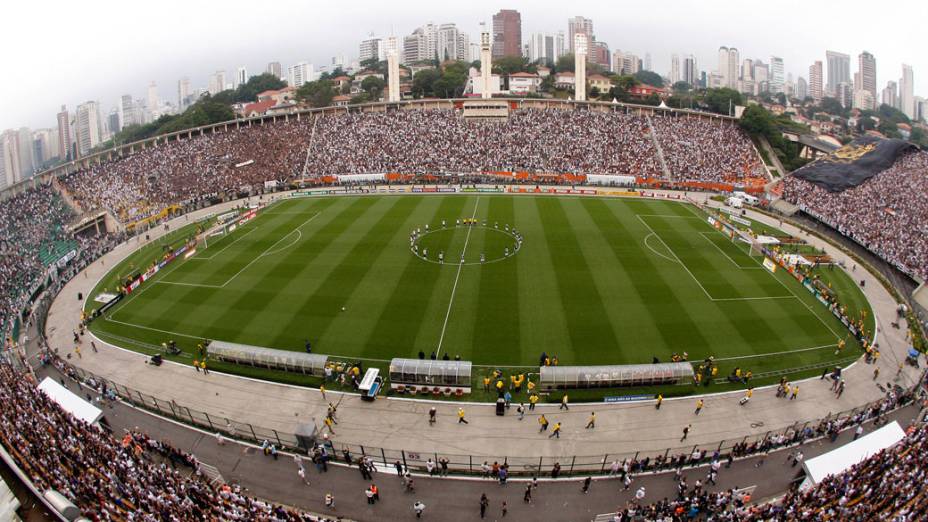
[584, 286]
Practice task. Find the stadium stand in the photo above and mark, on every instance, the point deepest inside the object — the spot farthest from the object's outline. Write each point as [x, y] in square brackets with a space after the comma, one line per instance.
[885, 214]
[428, 141]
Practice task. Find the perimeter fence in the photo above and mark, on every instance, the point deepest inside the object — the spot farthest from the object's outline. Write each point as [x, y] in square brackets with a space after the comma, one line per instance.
[417, 461]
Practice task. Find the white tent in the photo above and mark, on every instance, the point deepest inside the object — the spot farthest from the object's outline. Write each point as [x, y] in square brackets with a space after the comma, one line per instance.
[70, 402]
[841, 459]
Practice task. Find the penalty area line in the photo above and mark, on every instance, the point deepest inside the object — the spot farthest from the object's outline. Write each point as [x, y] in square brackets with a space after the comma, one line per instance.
[454, 288]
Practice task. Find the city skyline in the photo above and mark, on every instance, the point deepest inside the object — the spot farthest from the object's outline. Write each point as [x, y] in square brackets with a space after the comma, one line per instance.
[105, 79]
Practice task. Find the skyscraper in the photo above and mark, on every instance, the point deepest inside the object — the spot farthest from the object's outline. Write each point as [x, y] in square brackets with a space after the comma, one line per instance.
[507, 33]
[839, 71]
[64, 134]
[647, 62]
[26, 160]
[88, 126]
[747, 76]
[866, 68]
[579, 25]
[776, 75]
[906, 91]
[9, 159]
[371, 49]
[815, 81]
[275, 69]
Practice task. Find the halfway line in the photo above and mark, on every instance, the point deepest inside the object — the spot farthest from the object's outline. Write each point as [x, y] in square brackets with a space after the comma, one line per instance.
[455, 287]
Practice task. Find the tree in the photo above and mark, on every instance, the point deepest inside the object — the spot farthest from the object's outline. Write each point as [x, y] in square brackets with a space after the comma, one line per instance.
[781, 98]
[682, 86]
[649, 78]
[565, 63]
[373, 86]
[919, 137]
[866, 123]
[423, 81]
[722, 101]
[249, 90]
[507, 65]
[317, 94]
[833, 106]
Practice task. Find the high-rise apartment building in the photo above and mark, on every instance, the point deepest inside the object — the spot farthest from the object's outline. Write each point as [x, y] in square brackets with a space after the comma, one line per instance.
[421, 45]
[839, 71]
[690, 72]
[761, 77]
[866, 69]
[625, 63]
[802, 89]
[88, 127]
[777, 81]
[891, 94]
[241, 76]
[542, 48]
[746, 84]
[599, 54]
[450, 45]
[183, 94]
[300, 73]
[9, 159]
[728, 66]
[647, 62]
[507, 33]
[371, 49]
[579, 25]
[274, 69]
[153, 101]
[217, 82]
[64, 134]
[907, 91]
[26, 159]
[674, 69]
[816, 87]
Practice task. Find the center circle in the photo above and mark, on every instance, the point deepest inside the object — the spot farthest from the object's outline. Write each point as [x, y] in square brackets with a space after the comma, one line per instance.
[465, 242]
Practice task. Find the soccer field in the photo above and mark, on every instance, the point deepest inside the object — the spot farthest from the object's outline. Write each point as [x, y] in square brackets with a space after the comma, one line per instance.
[594, 281]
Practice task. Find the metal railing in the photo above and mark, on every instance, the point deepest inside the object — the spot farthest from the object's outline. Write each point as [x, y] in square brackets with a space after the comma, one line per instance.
[641, 461]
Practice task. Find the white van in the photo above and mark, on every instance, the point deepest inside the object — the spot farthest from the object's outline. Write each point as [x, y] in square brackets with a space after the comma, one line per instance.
[734, 202]
[747, 198]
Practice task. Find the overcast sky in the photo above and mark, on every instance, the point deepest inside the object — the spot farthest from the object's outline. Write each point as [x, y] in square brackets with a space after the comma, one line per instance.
[67, 52]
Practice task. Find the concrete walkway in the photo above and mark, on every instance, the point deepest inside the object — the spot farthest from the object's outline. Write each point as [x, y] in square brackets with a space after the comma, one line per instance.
[622, 429]
[454, 499]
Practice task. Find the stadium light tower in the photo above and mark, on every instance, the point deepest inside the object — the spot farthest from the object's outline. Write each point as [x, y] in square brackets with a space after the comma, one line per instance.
[393, 71]
[580, 51]
[486, 63]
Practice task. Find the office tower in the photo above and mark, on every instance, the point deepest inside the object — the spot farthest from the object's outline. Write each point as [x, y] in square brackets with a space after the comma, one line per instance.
[507, 33]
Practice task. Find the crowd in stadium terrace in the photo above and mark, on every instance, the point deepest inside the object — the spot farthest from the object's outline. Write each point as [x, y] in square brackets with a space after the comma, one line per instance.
[135, 478]
[143, 183]
[885, 213]
[31, 223]
[437, 141]
[702, 149]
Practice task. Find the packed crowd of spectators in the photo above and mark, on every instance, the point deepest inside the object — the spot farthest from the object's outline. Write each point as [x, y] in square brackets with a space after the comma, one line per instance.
[437, 141]
[143, 183]
[135, 478]
[886, 214]
[30, 222]
[703, 149]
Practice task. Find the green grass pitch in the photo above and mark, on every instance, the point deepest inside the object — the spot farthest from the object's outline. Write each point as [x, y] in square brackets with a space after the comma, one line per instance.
[596, 281]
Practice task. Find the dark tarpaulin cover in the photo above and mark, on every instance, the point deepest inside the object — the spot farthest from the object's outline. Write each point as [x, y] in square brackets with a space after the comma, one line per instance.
[854, 163]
